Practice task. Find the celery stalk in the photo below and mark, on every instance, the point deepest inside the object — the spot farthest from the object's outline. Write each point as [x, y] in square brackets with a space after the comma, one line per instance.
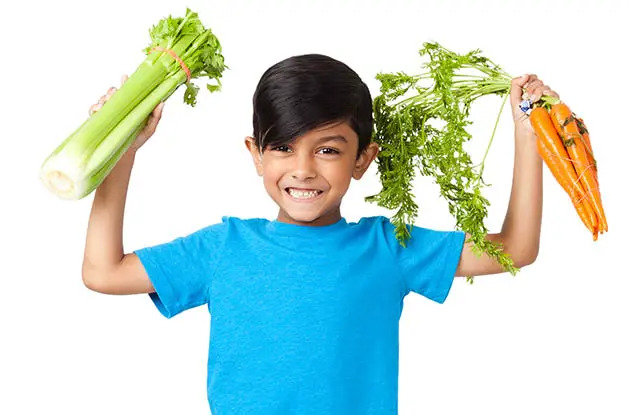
[123, 135]
[84, 159]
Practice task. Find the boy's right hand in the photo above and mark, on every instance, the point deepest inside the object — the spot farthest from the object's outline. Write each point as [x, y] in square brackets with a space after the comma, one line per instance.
[147, 131]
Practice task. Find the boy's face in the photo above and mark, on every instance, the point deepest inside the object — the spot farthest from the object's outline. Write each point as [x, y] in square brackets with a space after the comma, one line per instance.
[309, 177]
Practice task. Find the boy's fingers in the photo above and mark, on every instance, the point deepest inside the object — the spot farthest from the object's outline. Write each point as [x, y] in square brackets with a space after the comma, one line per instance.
[108, 95]
[517, 87]
[155, 118]
[157, 111]
[533, 87]
[110, 92]
[94, 108]
[520, 81]
[156, 115]
[150, 128]
[531, 78]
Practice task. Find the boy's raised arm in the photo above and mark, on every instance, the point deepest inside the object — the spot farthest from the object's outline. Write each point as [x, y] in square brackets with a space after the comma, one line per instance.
[520, 234]
[106, 268]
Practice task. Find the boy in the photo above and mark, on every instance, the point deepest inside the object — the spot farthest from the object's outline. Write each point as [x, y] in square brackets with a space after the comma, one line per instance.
[305, 308]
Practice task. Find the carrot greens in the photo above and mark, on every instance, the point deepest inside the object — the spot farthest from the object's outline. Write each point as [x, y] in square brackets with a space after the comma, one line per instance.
[421, 126]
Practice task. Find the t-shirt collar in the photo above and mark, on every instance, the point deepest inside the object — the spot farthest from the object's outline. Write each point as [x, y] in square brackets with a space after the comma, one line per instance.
[292, 229]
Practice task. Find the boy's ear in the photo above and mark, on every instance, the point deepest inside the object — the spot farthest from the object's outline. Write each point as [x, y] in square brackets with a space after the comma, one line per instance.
[250, 143]
[363, 162]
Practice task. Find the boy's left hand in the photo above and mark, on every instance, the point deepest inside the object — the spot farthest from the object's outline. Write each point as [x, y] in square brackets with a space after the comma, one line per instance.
[534, 89]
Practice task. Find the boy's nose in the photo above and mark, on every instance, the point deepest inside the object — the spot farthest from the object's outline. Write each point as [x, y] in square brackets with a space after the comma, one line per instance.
[304, 167]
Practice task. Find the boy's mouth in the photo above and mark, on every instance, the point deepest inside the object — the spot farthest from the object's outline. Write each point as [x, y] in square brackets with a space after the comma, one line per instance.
[303, 194]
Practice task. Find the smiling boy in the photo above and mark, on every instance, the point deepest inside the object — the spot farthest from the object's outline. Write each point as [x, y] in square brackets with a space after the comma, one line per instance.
[305, 308]
[309, 177]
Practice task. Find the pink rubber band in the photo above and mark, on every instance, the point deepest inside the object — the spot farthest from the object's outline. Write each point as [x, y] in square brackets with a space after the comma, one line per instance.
[177, 58]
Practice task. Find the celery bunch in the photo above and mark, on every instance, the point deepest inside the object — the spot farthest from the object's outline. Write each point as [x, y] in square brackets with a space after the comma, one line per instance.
[83, 160]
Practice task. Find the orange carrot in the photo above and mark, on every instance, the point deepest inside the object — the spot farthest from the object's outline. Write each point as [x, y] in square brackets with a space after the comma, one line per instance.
[583, 206]
[565, 124]
[586, 139]
[555, 156]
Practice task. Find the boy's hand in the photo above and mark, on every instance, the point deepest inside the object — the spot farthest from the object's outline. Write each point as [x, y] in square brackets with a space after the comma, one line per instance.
[147, 131]
[534, 89]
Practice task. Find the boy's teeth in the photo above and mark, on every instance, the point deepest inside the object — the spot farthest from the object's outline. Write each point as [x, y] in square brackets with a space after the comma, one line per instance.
[301, 194]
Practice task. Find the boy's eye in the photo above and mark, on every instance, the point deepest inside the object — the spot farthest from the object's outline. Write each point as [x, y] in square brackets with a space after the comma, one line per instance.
[329, 150]
[281, 148]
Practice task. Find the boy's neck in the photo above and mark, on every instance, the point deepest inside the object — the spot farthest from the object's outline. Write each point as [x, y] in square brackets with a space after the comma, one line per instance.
[324, 220]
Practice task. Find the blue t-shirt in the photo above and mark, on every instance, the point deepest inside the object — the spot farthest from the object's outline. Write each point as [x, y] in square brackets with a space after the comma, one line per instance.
[304, 320]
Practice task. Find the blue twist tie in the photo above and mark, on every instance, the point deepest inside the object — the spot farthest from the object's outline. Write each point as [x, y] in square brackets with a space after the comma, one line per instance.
[526, 106]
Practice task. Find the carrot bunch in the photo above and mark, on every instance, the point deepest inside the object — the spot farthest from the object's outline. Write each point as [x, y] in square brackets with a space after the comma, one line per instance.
[565, 146]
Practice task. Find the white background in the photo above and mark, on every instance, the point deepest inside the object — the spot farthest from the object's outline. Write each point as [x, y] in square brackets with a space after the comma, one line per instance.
[552, 340]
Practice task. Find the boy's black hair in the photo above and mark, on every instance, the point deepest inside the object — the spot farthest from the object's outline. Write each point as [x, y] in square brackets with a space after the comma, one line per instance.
[309, 91]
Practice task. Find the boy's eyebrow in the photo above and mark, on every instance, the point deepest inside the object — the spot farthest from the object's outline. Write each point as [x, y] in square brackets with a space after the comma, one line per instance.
[332, 138]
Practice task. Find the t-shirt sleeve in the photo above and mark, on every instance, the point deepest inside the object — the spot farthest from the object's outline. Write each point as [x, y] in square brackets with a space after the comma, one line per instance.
[429, 261]
[181, 270]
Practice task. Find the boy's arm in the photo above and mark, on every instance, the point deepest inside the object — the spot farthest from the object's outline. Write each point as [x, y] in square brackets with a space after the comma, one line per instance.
[520, 234]
[106, 269]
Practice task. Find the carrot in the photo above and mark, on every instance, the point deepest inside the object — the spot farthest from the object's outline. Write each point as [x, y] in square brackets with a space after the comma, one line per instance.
[555, 156]
[586, 139]
[582, 206]
[589, 148]
[566, 125]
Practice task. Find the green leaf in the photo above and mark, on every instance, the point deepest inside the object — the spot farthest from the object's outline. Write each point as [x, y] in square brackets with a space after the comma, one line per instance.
[420, 125]
[190, 95]
[214, 88]
[196, 46]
